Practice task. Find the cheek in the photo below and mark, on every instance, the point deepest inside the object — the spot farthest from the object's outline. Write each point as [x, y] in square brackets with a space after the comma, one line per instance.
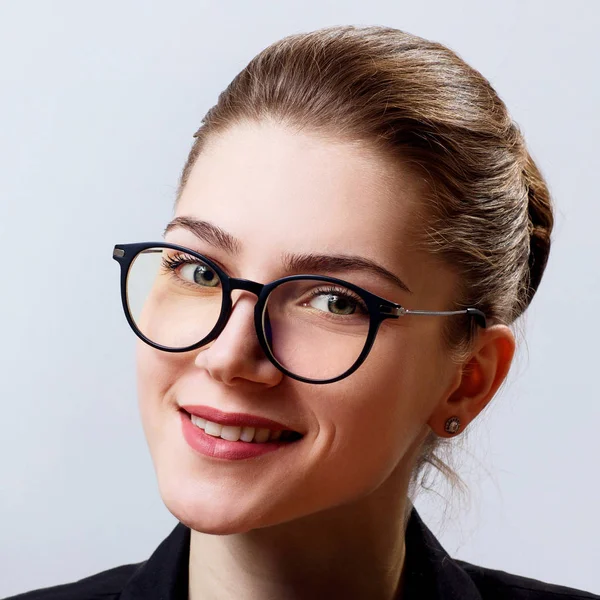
[379, 412]
[155, 373]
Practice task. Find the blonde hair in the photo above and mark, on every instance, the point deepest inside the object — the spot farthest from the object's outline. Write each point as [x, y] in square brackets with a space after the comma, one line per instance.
[488, 209]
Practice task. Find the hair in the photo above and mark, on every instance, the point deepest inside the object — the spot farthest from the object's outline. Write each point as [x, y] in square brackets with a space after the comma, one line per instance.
[486, 207]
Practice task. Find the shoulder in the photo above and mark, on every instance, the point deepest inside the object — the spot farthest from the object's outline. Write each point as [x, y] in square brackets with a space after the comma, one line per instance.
[105, 585]
[433, 574]
[500, 585]
[163, 575]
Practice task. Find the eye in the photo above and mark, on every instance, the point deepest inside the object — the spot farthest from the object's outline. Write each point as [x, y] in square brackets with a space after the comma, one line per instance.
[191, 270]
[336, 301]
[200, 274]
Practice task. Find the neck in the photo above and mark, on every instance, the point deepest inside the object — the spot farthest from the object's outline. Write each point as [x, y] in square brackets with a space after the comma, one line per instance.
[351, 551]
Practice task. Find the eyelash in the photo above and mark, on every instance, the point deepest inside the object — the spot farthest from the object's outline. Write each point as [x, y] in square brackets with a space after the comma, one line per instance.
[172, 263]
[175, 261]
[343, 293]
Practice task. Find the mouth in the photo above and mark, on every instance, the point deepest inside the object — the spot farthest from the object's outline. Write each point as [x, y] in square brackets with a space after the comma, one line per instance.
[241, 428]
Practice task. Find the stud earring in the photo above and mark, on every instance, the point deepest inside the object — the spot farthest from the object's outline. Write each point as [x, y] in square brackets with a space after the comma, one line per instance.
[452, 425]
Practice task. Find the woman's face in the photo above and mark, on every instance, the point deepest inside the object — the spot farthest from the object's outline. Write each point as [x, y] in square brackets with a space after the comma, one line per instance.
[278, 191]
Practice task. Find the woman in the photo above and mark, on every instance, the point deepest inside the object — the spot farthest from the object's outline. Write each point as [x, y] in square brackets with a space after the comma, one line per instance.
[358, 224]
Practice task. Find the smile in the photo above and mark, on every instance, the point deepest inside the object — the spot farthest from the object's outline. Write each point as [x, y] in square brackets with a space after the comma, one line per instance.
[229, 436]
[234, 433]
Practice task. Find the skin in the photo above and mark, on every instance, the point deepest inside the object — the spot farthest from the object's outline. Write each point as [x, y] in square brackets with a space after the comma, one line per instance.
[324, 517]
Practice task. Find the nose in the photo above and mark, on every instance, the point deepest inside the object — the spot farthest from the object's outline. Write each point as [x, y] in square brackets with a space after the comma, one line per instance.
[236, 356]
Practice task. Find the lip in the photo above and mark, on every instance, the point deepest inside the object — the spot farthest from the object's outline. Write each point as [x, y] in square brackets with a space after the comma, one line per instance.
[235, 419]
[215, 447]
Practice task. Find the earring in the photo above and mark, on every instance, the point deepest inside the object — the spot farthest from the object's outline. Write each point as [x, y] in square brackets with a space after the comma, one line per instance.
[452, 425]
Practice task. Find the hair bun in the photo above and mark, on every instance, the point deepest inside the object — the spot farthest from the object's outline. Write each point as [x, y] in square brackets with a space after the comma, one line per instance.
[541, 222]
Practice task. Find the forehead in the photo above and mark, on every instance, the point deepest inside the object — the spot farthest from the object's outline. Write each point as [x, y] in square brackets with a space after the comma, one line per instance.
[275, 188]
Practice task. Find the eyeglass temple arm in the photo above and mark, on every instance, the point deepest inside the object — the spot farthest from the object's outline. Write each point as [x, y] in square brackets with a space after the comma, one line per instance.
[479, 316]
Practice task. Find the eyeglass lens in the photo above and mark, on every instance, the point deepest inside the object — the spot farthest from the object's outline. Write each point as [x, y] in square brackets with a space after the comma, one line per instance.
[314, 329]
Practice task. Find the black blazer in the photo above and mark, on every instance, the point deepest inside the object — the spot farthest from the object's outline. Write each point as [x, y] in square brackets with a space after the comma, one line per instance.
[430, 575]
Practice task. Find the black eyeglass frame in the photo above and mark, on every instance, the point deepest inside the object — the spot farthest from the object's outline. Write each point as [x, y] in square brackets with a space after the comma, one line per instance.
[379, 308]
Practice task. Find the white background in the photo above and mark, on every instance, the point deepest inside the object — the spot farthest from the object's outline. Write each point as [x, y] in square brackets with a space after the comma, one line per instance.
[98, 104]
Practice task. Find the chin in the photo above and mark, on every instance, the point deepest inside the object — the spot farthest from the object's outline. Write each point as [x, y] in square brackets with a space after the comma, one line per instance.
[205, 519]
[210, 526]
[200, 507]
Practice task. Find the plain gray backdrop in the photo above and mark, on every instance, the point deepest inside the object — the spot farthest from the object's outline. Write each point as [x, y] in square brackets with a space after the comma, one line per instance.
[98, 104]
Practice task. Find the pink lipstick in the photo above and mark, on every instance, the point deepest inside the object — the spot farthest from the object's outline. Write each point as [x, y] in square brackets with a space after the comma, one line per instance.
[266, 435]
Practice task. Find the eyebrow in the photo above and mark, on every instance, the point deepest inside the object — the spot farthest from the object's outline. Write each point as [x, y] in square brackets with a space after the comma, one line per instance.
[298, 263]
[208, 232]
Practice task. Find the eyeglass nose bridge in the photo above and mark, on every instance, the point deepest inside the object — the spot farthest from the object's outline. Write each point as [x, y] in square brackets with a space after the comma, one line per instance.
[245, 284]
[254, 288]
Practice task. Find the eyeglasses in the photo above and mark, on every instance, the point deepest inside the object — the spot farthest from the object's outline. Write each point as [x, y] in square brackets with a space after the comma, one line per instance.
[313, 328]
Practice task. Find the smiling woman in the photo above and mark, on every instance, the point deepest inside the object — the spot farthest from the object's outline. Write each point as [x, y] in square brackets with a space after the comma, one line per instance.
[357, 226]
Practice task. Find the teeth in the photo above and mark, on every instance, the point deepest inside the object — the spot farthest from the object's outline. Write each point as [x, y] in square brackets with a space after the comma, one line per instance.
[213, 429]
[261, 435]
[198, 421]
[233, 433]
[247, 434]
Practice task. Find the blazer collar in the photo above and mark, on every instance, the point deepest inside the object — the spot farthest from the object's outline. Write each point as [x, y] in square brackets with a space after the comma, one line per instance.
[430, 573]
[164, 576]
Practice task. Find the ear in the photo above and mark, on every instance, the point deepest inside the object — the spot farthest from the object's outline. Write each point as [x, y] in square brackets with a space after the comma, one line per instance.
[477, 379]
